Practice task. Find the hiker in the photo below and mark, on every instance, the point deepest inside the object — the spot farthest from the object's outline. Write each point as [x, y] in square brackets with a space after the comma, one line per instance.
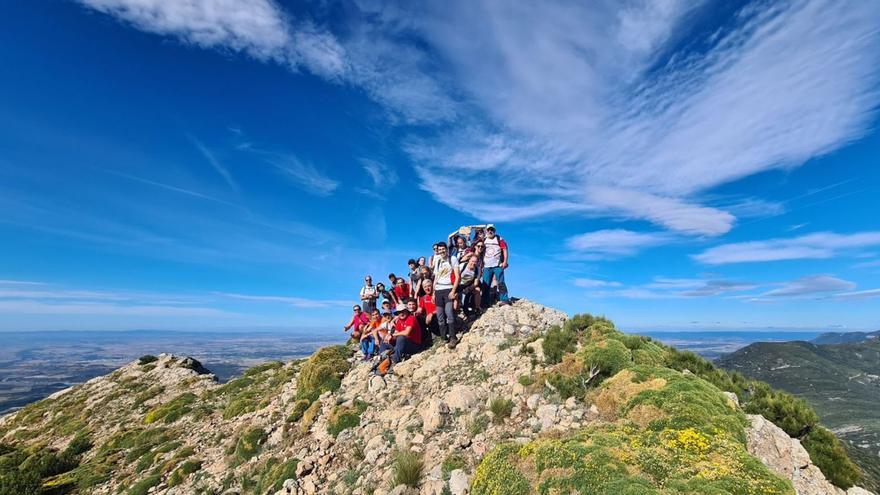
[427, 310]
[407, 334]
[470, 285]
[368, 344]
[401, 292]
[495, 262]
[414, 278]
[422, 261]
[387, 296]
[383, 334]
[388, 307]
[358, 322]
[446, 279]
[369, 295]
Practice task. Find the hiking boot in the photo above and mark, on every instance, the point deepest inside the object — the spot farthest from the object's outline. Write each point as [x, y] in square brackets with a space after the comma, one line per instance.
[453, 342]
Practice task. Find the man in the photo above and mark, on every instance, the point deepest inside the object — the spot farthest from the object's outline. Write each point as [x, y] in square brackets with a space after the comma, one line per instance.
[427, 309]
[388, 307]
[401, 292]
[407, 334]
[414, 278]
[387, 295]
[369, 295]
[446, 278]
[470, 281]
[359, 321]
[495, 262]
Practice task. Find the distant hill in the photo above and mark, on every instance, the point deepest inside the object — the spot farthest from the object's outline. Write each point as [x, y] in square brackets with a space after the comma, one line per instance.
[842, 383]
[846, 337]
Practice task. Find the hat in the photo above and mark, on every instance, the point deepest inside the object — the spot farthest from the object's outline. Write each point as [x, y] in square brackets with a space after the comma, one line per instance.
[490, 227]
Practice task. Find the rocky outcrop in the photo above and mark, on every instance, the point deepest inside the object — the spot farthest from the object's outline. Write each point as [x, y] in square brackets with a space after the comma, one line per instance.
[787, 457]
[315, 427]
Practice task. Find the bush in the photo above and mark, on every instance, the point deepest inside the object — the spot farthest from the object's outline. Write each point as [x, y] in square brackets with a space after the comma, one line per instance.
[143, 486]
[407, 467]
[786, 411]
[249, 444]
[80, 444]
[298, 410]
[558, 342]
[172, 410]
[344, 417]
[180, 474]
[452, 462]
[501, 409]
[478, 425]
[17, 483]
[526, 380]
[724, 380]
[610, 356]
[146, 359]
[828, 454]
[321, 372]
[274, 473]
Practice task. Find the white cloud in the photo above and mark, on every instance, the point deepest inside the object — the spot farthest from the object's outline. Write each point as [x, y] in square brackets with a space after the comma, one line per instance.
[304, 175]
[592, 283]
[808, 286]
[678, 288]
[613, 243]
[819, 245]
[218, 167]
[255, 27]
[857, 295]
[296, 302]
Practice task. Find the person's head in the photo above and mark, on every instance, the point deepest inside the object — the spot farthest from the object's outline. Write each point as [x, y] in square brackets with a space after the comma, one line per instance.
[437, 246]
[392, 277]
[490, 232]
[441, 250]
[356, 308]
[411, 305]
[380, 287]
[375, 314]
[428, 285]
[386, 306]
[425, 272]
[460, 242]
[386, 315]
[399, 282]
[472, 262]
[479, 247]
[404, 312]
[422, 261]
[412, 264]
[368, 280]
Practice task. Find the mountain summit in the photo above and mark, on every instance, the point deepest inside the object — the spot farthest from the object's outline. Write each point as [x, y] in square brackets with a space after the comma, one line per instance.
[529, 402]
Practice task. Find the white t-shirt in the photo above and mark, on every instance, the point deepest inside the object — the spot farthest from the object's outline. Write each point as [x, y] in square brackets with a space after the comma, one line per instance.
[444, 273]
[494, 246]
[369, 292]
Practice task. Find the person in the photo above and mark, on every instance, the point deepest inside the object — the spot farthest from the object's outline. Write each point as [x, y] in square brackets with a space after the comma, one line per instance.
[435, 247]
[369, 295]
[470, 285]
[368, 342]
[422, 261]
[392, 278]
[387, 296]
[388, 307]
[446, 279]
[401, 292]
[358, 322]
[459, 248]
[414, 278]
[407, 334]
[495, 262]
[383, 335]
[427, 309]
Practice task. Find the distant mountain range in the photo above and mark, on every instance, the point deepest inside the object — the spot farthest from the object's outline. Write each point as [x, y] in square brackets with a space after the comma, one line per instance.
[846, 337]
[837, 373]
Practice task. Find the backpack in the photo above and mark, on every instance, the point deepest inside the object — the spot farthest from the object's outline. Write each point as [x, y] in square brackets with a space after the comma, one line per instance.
[383, 366]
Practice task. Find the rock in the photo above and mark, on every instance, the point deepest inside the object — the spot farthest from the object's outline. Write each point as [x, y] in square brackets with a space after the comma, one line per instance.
[732, 398]
[434, 416]
[786, 457]
[303, 468]
[461, 398]
[548, 415]
[459, 482]
[570, 403]
[532, 401]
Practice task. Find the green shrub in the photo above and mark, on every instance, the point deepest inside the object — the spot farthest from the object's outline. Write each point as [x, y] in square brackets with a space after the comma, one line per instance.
[248, 445]
[344, 417]
[48, 462]
[298, 410]
[526, 380]
[478, 425]
[610, 356]
[452, 462]
[172, 410]
[829, 455]
[146, 359]
[558, 342]
[322, 371]
[144, 485]
[407, 467]
[273, 474]
[80, 444]
[786, 411]
[498, 475]
[501, 409]
[181, 473]
[724, 380]
[19, 482]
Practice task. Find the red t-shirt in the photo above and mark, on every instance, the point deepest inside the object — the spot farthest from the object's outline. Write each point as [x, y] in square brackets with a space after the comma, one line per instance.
[401, 291]
[426, 302]
[415, 335]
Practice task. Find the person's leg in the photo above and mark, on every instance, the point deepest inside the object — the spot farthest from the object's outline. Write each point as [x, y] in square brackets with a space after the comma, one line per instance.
[450, 319]
[385, 346]
[502, 287]
[488, 273]
[440, 299]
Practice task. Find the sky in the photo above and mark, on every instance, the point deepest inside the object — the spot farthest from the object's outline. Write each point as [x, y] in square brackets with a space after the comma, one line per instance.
[242, 164]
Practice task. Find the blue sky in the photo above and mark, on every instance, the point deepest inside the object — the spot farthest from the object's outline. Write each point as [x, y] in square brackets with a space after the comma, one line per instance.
[220, 164]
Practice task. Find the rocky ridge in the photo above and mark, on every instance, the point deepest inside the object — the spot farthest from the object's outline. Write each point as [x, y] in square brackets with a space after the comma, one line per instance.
[476, 419]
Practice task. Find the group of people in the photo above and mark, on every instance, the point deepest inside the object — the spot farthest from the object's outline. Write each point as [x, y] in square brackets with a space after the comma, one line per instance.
[463, 276]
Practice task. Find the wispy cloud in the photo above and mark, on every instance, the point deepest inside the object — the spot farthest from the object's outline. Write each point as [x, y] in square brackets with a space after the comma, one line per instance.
[857, 295]
[819, 245]
[809, 286]
[304, 175]
[613, 243]
[679, 288]
[221, 170]
[591, 283]
[296, 302]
